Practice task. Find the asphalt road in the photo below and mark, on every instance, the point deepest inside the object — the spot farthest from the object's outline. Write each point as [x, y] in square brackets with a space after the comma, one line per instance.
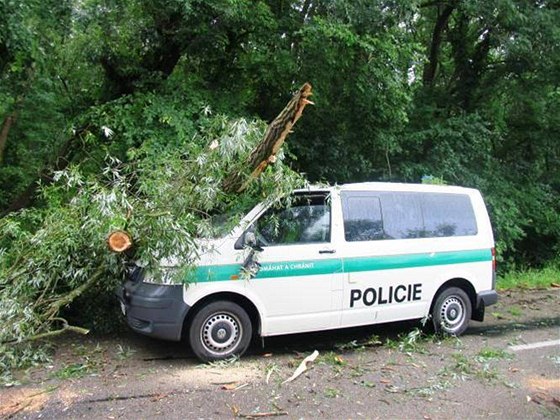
[506, 367]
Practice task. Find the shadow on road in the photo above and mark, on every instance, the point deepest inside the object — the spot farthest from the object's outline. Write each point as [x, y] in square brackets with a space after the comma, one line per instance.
[335, 340]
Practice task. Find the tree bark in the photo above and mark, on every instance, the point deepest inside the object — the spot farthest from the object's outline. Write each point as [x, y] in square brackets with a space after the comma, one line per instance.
[431, 66]
[9, 121]
[54, 308]
[470, 56]
[265, 152]
[261, 156]
[50, 334]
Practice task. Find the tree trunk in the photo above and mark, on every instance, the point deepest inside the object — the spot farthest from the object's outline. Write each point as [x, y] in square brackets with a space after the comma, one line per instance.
[430, 68]
[9, 121]
[265, 152]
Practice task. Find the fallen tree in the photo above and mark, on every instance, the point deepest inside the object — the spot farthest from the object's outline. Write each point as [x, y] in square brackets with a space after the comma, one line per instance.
[50, 256]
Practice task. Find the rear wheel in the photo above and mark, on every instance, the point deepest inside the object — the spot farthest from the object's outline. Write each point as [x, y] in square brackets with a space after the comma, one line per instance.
[452, 311]
[220, 330]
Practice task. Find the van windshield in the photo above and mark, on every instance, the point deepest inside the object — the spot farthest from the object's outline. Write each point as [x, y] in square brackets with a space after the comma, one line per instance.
[219, 225]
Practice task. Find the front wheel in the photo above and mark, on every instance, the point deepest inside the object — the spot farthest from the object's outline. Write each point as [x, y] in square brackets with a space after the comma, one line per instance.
[452, 311]
[220, 330]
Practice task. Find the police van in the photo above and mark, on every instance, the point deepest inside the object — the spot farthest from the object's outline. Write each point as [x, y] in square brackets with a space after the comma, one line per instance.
[336, 257]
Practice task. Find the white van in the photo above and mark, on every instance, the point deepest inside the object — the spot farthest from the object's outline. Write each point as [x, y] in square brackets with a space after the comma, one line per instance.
[337, 257]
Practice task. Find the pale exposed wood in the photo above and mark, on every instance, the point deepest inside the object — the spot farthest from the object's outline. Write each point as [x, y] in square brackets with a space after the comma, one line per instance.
[119, 241]
[265, 152]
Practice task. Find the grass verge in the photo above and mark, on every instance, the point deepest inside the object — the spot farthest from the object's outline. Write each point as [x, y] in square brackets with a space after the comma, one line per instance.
[548, 276]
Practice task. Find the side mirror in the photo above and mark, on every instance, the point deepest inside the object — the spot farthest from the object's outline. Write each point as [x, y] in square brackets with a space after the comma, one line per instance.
[250, 241]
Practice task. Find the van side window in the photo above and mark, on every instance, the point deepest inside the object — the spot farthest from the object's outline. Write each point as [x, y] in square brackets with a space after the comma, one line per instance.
[448, 215]
[307, 220]
[362, 217]
[379, 215]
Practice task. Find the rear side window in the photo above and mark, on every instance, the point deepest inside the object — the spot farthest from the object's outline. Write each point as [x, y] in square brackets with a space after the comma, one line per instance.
[386, 215]
[448, 215]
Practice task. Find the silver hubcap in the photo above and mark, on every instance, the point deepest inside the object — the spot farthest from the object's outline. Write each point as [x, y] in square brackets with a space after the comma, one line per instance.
[452, 314]
[221, 333]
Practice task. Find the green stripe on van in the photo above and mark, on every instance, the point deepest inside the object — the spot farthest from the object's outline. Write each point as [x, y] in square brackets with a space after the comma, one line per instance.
[354, 265]
[335, 265]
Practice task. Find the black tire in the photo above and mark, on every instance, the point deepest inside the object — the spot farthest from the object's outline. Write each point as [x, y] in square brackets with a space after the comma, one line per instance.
[220, 330]
[451, 312]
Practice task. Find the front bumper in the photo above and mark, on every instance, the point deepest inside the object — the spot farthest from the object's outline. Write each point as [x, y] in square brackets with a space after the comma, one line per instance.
[157, 310]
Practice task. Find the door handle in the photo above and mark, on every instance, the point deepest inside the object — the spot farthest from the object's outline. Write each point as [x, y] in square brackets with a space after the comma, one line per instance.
[327, 251]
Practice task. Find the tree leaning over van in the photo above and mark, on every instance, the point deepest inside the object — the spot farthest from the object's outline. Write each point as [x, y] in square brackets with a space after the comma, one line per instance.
[159, 201]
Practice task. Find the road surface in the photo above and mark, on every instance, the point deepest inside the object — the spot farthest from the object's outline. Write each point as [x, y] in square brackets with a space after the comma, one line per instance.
[506, 367]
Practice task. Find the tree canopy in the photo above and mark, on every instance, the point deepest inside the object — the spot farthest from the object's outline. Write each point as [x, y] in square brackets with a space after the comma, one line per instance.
[465, 91]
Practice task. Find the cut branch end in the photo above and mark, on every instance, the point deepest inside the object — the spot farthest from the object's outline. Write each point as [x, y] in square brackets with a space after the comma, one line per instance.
[119, 241]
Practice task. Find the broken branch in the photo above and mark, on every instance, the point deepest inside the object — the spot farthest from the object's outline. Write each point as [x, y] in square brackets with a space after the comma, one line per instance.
[274, 137]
